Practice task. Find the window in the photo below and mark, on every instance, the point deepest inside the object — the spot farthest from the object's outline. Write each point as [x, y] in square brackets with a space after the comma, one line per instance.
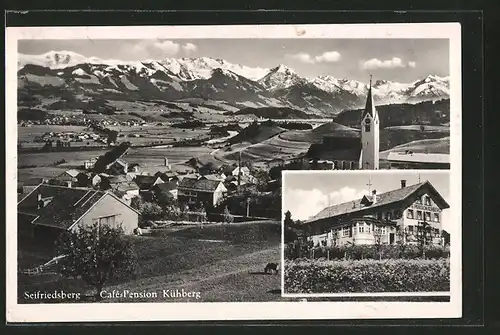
[427, 216]
[345, 231]
[410, 229]
[353, 166]
[367, 128]
[368, 228]
[108, 220]
[419, 200]
[398, 214]
[409, 214]
[361, 228]
[419, 215]
[384, 231]
[379, 216]
[427, 200]
[436, 217]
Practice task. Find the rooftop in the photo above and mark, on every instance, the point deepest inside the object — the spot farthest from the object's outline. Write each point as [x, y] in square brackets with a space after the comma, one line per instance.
[383, 199]
[65, 207]
[204, 185]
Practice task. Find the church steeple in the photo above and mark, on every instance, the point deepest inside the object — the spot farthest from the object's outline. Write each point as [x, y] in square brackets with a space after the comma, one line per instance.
[370, 134]
[370, 106]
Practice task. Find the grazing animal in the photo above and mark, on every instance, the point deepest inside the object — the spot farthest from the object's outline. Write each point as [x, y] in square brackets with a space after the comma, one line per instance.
[271, 268]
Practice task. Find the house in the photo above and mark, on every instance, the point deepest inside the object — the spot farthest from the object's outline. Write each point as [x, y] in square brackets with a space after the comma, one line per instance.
[89, 164]
[117, 167]
[54, 209]
[411, 160]
[165, 191]
[167, 176]
[68, 177]
[208, 192]
[245, 171]
[146, 183]
[386, 218]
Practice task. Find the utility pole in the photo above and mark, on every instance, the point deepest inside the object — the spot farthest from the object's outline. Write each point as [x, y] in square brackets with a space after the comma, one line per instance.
[239, 170]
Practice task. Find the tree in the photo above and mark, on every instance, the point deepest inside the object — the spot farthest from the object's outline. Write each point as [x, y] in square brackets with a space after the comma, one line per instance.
[423, 236]
[262, 178]
[378, 241]
[97, 254]
[228, 218]
[402, 235]
[288, 222]
[446, 237]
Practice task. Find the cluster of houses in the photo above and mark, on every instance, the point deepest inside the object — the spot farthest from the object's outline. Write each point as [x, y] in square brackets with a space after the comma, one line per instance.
[71, 136]
[119, 184]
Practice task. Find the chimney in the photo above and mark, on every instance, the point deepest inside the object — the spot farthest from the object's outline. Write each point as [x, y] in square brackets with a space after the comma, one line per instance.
[374, 196]
[403, 183]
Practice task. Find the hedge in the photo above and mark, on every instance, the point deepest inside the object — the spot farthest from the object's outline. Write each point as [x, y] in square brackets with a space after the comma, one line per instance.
[359, 252]
[389, 275]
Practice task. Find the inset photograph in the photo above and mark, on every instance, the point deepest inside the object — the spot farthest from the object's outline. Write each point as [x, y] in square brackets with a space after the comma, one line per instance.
[364, 233]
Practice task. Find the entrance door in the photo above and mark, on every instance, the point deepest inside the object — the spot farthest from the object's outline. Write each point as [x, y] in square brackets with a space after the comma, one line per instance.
[391, 238]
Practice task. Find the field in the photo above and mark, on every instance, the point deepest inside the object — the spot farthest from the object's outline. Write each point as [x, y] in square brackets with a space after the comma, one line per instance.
[437, 146]
[223, 262]
[26, 134]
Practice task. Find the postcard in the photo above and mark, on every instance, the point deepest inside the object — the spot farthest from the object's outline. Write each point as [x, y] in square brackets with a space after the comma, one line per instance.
[247, 172]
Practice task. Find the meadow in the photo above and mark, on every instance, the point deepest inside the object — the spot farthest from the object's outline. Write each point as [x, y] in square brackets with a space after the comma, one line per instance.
[223, 262]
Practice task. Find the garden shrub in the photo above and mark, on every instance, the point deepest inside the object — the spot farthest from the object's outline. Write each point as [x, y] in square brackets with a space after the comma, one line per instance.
[369, 275]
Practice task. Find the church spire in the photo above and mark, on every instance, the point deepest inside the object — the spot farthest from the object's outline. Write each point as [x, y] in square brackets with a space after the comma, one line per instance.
[370, 106]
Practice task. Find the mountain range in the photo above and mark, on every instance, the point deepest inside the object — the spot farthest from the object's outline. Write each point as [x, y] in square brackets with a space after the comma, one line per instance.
[67, 76]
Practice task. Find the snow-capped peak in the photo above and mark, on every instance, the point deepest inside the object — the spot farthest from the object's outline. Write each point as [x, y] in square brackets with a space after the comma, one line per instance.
[280, 77]
[282, 69]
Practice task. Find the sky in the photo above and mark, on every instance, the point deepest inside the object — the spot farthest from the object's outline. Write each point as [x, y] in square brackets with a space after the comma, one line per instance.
[402, 60]
[306, 194]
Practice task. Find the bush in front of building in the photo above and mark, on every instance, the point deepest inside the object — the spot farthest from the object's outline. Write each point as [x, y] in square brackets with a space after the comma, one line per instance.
[360, 252]
[369, 275]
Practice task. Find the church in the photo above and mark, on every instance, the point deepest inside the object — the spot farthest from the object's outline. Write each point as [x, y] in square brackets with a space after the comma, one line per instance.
[347, 152]
[400, 215]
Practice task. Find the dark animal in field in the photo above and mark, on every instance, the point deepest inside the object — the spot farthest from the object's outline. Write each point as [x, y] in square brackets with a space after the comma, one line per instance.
[271, 268]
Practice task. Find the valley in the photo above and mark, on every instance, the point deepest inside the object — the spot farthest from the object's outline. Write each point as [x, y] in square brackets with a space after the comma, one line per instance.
[209, 110]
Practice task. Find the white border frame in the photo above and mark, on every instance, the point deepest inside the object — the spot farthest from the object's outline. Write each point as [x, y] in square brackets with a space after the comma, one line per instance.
[98, 312]
[454, 230]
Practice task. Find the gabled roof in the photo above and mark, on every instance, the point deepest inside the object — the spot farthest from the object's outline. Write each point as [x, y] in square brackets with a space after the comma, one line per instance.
[145, 182]
[383, 199]
[165, 187]
[203, 185]
[67, 204]
[73, 173]
[128, 186]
